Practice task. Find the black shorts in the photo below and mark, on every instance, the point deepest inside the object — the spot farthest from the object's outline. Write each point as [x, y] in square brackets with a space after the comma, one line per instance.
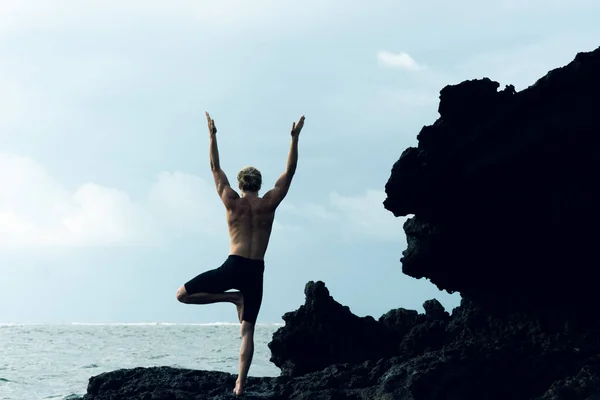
[243, 274]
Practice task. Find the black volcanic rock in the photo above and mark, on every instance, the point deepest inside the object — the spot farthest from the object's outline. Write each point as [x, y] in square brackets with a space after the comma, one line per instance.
[505, 191]
[322, 332]
[474, 356]
[584, 385]
[471, 354]
[434, 311]
[399, 321]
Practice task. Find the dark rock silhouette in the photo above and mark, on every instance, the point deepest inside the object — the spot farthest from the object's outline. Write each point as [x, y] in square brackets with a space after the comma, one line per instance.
[324, 327]
[504, 192]
[469, 355]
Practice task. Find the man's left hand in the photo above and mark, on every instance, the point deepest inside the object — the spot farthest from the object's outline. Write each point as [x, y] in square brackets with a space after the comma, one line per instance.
[212, 128]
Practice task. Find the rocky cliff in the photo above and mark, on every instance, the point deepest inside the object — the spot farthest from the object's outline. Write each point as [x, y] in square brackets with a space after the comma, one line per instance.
[504, 192]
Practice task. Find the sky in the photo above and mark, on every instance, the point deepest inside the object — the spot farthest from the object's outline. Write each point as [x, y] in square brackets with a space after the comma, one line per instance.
[107, 203]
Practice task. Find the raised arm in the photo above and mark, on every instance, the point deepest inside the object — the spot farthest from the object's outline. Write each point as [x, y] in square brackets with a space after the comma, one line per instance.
[276, 195]
[226, 193]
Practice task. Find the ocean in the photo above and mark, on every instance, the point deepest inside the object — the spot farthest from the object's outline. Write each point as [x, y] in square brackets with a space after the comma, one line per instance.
[55, 361]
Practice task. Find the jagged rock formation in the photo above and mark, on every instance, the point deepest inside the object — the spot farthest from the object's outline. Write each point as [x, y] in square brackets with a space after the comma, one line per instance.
[322, 332]
[469, 355]
[503, 188]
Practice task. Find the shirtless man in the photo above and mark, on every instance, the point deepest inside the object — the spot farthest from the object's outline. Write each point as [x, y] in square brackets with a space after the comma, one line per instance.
[250, 219]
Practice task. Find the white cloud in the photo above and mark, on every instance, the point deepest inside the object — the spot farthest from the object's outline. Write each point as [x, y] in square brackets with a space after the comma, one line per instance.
[364, 215]
[185, 202]
[320, 212]
[308, 212]
[36, 211]
[352, 217]
[104, 215]
[397, 60]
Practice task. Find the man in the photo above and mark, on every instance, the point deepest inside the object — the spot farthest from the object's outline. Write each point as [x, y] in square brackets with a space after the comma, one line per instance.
[250, 220]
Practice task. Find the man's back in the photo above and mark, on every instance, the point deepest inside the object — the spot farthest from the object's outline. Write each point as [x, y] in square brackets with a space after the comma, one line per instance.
[250, 222]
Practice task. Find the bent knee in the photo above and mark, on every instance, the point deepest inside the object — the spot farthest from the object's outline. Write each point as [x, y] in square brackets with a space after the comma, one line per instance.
[182, 294]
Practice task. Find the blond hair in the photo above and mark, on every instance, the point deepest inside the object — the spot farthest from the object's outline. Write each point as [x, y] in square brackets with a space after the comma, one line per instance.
[249, 179]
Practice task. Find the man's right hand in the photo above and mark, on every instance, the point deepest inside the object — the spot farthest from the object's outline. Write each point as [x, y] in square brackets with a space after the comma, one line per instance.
[297, 127]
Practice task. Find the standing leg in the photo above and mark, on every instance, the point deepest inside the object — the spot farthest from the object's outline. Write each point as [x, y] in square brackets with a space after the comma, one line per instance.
[246, 353]
[253, 293]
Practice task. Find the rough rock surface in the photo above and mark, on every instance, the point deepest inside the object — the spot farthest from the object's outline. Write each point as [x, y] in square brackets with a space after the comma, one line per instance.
[504, 188]
[469, 355]
[504, 192]
[323, 332]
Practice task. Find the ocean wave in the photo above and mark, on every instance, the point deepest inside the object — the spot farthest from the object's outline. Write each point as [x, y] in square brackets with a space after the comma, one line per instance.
[157, 357]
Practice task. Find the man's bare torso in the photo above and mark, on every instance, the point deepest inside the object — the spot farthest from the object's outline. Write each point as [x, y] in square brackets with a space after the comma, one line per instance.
[250, 223]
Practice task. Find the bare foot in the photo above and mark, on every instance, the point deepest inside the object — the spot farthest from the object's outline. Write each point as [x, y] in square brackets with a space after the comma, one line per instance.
[239, 304]
[239, 389]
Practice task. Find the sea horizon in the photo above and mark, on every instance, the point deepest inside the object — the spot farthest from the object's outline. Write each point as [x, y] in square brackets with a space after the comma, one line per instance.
[165, 323]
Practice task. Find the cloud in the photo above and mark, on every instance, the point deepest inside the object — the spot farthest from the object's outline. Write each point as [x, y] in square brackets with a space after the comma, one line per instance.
[37, 211]
[353, 217]
[364, 215]
[100, 214]
[397, 60]
[320, 212]
[185, 203]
